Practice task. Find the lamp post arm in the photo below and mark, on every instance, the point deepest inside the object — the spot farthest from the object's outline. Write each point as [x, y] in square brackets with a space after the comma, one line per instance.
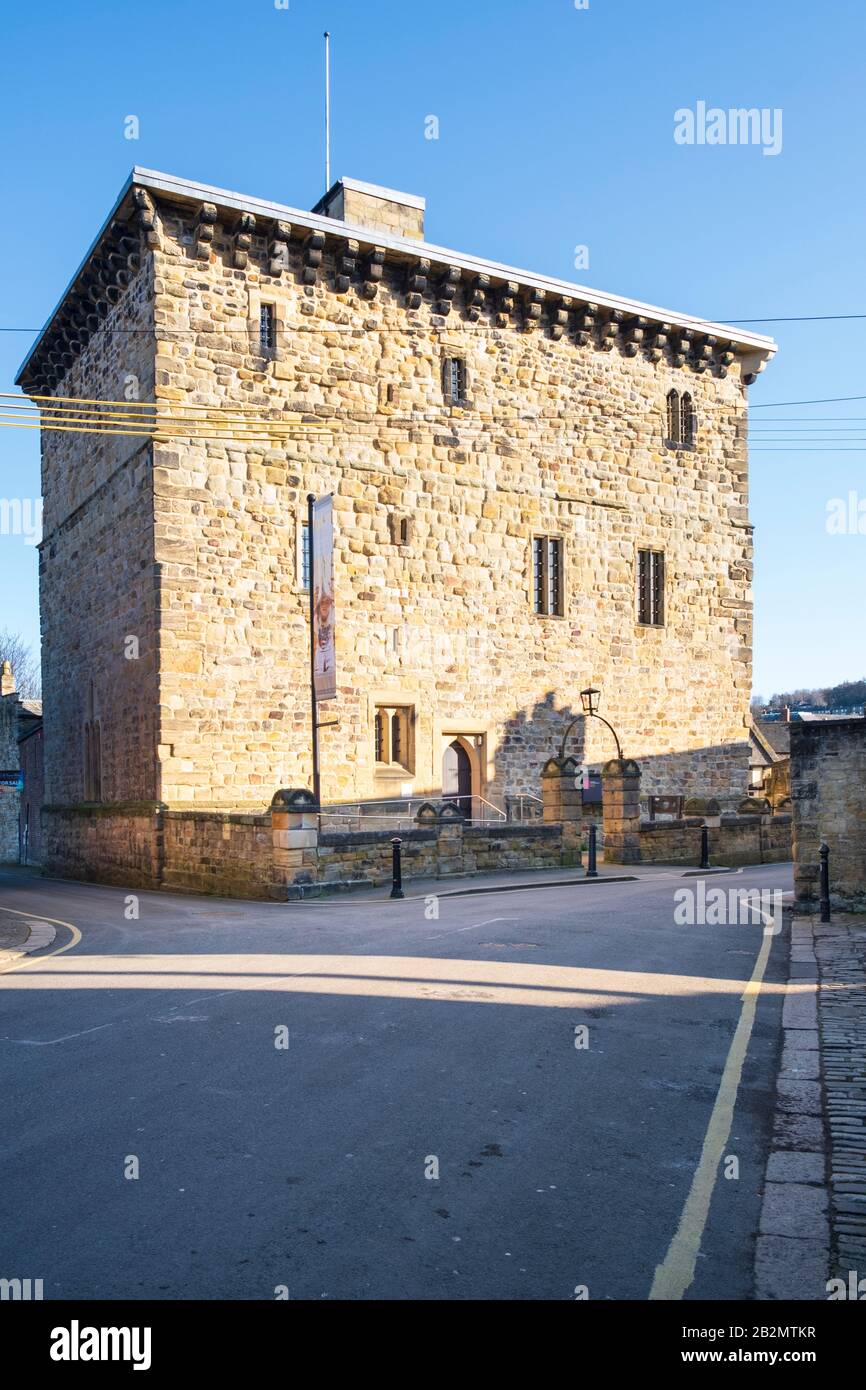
[577, 718]
[613, 731]
[566, 734]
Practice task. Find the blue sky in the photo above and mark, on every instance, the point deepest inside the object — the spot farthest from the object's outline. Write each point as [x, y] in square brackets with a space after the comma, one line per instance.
[555, 130]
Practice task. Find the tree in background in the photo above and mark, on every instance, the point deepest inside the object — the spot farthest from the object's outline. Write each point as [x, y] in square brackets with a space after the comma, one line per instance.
[848, 695]
[25, 664]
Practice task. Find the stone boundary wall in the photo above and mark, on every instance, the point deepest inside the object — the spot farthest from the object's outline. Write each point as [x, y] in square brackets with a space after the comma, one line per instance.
[364, 857]
[828, 796]
[10, 798]
[226, 853]
[282, 854]
[103, 844]
[734, 840]
[278, 854]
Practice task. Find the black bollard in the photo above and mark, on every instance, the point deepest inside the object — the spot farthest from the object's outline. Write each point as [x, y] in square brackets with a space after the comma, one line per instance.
[591, 870]
[824, 853]
[705, 847]
[396, 868]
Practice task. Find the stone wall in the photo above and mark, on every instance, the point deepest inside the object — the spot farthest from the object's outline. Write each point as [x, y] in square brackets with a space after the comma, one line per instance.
[117, 844]
[552, 439]
[365, 857]
[190, 546]
[98, 579]
[245, 856]
[282, 854]
[230, 855]
[30, 815]
[733, 840]
[20, 760]
[10, 797]
[828, 797]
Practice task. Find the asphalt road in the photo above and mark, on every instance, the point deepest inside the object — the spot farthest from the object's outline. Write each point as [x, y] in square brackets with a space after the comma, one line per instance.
[413, 1042]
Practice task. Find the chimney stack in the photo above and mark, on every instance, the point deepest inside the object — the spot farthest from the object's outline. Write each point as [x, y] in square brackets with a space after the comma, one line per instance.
[7, 680]
[379, 209]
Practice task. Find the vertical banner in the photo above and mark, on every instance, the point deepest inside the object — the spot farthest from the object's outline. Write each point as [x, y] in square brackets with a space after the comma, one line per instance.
[322, 580]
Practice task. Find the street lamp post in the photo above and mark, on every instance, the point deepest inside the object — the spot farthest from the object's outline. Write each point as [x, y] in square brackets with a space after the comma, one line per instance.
[589, 700]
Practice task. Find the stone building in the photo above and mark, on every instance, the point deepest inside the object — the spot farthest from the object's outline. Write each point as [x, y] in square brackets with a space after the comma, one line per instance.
[20, 771]
[537, 487]
[828, 793]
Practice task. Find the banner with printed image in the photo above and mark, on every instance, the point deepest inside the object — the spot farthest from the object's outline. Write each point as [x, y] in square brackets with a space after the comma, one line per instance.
[324, 651]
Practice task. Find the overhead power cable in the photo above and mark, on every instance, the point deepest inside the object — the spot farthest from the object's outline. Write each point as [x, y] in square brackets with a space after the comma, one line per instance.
[794, 318]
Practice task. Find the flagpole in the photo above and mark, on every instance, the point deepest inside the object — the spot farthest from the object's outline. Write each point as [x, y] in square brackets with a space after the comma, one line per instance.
[327, 111]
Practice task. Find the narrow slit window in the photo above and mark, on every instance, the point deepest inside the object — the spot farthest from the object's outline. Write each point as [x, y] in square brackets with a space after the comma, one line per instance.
[267, 329]
[92, 761]
[304, 557]
[396, 737]
[651, 588]
[673, 417]
[547, 576]
[454, 380]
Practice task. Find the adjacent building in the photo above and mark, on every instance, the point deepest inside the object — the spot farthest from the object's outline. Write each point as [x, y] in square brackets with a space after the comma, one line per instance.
[537, 487]
[21, 772]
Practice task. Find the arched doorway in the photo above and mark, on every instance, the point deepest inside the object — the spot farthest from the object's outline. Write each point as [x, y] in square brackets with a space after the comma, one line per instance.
[457, 777]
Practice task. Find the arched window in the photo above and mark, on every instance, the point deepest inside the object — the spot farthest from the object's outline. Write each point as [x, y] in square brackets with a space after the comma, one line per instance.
[680, 420]
[673, 417]
[392, 736]
[397, 736]
[92, 761]
[687, 420]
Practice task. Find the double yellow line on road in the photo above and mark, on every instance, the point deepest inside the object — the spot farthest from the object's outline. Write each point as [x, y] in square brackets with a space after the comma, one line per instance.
[55, 922]
[677, 1271]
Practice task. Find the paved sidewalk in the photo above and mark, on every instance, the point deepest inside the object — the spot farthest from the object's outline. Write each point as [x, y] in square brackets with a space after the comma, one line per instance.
[813, 1219]
[840, 947]
[21, 936]
[14, 932]
[792, 1251]
[516, 879]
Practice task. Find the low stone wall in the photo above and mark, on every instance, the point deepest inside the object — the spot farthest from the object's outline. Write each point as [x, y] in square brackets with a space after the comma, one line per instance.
[217, 852]
[103, 844]
[364, 856]
[282, 854]
[348, 859]
[828, 796]
[733, 840]
[488, 849]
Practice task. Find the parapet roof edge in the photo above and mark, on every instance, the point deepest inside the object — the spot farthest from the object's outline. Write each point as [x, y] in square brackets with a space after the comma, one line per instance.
[186, 189]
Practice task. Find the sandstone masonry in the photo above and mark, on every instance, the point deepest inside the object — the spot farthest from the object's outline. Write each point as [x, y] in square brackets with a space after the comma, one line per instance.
[192, 546]
[828, 797]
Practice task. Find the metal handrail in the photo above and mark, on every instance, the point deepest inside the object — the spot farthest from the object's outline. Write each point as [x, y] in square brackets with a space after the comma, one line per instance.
[364, 813]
